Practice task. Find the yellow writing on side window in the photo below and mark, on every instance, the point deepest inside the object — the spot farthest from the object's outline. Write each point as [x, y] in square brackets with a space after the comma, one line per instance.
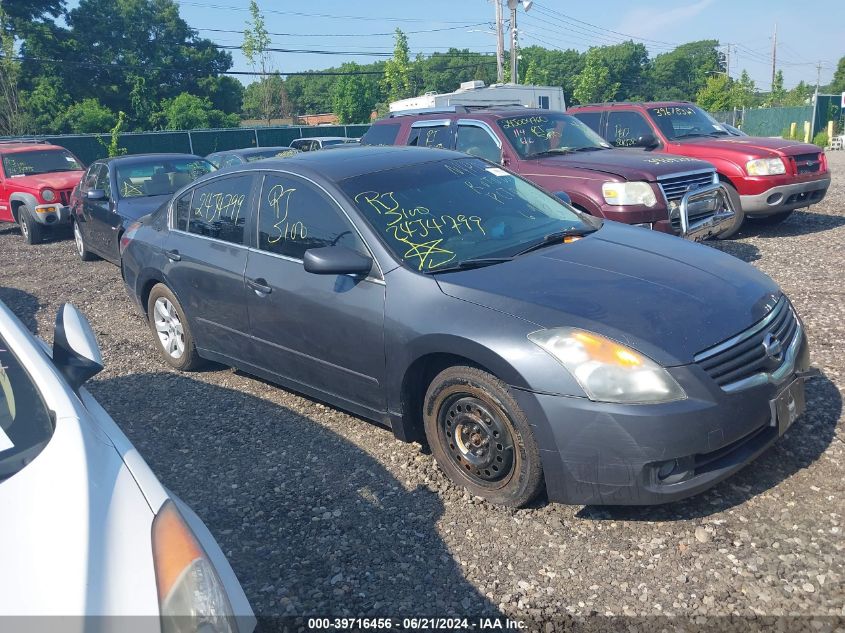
[216, 206]
[279, 200]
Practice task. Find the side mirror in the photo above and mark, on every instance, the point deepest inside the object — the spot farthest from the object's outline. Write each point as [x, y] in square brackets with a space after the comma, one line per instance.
[563, 197]
[336, 260]
[95, 194]
[75, 351]
[647, 141]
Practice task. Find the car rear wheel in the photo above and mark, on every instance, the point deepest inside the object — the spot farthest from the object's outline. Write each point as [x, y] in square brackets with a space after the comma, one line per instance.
[84, 254]
[481, 438]
[739, 215]
[770, 220]
[31, 230]
[170, 327]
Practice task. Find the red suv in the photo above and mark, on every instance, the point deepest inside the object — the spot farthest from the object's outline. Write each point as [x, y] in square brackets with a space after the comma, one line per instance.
[767, 178]
[562, 155]
[35, 184]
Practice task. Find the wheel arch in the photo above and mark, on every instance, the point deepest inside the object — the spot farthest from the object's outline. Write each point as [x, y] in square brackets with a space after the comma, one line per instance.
[20, 199]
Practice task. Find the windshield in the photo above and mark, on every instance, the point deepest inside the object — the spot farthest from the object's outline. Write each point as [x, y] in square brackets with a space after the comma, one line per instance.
[159, 177]
[44, 161]
[273, 152]
[548, 134]
[439, 214]
[25, 422]
[686, 121]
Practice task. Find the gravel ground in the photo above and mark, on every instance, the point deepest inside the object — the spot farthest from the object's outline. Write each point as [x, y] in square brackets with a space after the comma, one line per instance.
[324, 514]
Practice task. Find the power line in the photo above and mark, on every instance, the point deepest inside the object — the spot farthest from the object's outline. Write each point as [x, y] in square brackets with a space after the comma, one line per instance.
[448, 28]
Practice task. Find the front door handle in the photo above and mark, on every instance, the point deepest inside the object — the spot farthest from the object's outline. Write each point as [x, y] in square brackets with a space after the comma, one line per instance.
[173, 256]
[259, 285]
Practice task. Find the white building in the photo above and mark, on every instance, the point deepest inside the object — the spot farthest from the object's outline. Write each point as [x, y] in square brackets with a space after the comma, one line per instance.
[475, 93]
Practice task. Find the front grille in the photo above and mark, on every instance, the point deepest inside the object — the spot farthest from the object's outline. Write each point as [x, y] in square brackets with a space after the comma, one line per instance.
[807, 163]
[64, 196]
[675, 187]
[743, 355]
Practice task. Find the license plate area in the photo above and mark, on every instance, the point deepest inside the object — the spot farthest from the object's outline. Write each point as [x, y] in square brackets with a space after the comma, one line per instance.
[788, 406]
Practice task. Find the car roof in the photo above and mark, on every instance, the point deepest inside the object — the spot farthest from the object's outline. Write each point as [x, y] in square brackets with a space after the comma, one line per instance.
[494, 113]
[24, 146]
[642, 104]
[144, 158]
[321, 138]
[355, 161]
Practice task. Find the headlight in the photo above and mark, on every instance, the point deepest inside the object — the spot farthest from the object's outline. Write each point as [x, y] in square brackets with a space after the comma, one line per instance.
[191, 596]
[619, 193]
[765, 167]
[48, 195]
[606, 370]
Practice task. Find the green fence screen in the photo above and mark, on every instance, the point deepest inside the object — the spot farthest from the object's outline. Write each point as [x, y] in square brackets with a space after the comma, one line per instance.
[90, 147]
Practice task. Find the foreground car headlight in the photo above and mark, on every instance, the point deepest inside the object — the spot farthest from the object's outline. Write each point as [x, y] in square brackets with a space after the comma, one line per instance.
[606, 370]
[619, 193]
[191, 596]
[765, 167]
[48, 195]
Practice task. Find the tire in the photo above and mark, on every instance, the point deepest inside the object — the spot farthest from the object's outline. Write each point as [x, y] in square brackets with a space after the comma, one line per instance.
[739, 218]
[32, 231]
[84, 254]
[481, 438]
[770, 220]
[171, 331]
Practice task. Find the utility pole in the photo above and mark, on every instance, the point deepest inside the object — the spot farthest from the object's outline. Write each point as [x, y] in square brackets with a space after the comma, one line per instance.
[514, 44]
[500, 42]
[815, 101]
[774, 54]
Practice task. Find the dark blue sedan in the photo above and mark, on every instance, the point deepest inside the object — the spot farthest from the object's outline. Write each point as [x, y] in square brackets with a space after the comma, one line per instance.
[114, 192]
[526, 343]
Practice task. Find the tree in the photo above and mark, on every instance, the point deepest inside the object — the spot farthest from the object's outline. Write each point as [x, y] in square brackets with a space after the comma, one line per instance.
[778, 93]
[257, 96]
[226, 93]
[397, 71]
[535, 74]
[716, 94]
[800, 95]
[44, 107]
[255, 49]
[190, 112]
[353, 98]
[743, 91]
[626, 65]
[11, 117]
[88, 116]
[593, 84]
[838, 83]
[681, 73]
[113, 146]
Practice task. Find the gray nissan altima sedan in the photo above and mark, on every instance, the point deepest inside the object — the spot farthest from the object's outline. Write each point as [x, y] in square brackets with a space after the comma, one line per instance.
[528, 344]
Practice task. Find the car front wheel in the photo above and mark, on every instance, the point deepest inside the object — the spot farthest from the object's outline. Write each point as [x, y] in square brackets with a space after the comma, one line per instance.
[481, 438]
[170, 327]
[31, 230]
[84, 254]
[739, 215]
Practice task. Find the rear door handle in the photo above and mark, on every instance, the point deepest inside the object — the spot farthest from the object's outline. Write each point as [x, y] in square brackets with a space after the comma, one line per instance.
[173, 256]
[259, 285]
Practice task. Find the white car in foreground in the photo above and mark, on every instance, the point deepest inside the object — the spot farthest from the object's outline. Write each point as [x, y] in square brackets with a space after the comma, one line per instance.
[87, 529]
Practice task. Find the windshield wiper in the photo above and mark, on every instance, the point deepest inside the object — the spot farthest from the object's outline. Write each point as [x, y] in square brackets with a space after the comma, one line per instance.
[591, 148]
[53, 171]
[557, 150]
[467, 264]
[691, 134]
[555, 238]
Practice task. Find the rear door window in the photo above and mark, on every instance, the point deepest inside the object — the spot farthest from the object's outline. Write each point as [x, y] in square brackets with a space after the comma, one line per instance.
[26, 424]
[219, 208]
[384, 134]
[625, 127]
[476, 141]
[431, 135]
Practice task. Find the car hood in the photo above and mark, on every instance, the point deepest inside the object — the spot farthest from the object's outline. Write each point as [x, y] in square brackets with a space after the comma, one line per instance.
[627, 164]
[664, 296]
[59, 180]
[756, 145]
[136, 208]
[76, 519]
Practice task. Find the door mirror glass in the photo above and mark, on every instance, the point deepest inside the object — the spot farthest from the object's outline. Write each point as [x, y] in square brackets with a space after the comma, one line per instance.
[75, 351]
[336, 260]
[95, 194]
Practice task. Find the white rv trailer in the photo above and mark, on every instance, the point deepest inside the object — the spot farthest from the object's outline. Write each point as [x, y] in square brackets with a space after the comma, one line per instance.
[475, 93]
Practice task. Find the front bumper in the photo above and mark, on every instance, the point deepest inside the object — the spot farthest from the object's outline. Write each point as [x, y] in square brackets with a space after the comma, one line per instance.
[785, 197]
[611, 454]
[51, 214]
[703, 213]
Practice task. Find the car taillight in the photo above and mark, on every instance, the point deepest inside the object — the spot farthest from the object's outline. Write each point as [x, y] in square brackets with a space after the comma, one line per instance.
[129, 235]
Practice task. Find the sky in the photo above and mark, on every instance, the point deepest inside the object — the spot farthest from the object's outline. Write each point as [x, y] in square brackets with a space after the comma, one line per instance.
[366, 26]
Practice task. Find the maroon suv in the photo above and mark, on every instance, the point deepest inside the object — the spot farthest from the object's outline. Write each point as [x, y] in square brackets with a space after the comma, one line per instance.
[673, 194]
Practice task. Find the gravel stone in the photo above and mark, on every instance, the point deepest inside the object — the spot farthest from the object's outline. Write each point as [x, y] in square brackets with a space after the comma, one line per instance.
[321, 513]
